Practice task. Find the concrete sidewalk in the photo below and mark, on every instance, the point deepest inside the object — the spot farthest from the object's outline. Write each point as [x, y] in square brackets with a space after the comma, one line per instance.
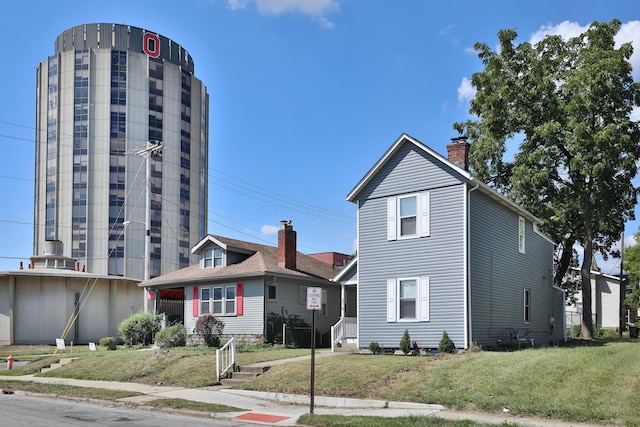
[267, 408]
[283, 409]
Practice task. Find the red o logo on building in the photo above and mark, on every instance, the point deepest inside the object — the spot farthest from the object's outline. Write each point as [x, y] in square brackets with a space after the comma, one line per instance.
[151, 45]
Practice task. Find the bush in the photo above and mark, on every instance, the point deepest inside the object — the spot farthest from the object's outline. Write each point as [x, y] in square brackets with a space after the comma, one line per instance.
[139, 328]
[210, 328]
[446, 345]
[374, 347]
[173, 336]
[108, 342]
[405, 342]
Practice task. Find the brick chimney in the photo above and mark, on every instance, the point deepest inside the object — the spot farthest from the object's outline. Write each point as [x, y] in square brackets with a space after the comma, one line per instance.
[458, 152]
[287, 252]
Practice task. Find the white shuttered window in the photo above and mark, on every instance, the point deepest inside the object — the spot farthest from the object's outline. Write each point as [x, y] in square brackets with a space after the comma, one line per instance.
[408, 216]
[408, 299]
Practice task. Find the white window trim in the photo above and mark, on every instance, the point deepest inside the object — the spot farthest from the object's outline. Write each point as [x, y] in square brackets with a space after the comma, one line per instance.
[423, 216]
[224, 300]
[526, 296]
[521, 234]
[422, 300]
[210, 254]
[201, 300]
[323, 307]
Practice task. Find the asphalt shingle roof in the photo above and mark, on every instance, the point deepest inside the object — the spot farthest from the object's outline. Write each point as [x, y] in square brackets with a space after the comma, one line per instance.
[263, 260]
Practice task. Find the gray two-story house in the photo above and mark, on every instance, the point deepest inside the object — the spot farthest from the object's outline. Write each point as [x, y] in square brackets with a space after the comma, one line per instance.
[440, 251]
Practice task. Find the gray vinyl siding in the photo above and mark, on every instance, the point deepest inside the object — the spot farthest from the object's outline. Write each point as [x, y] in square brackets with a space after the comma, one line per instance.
[499, 274]
[250, 323]
[288, 301]
[439, 256]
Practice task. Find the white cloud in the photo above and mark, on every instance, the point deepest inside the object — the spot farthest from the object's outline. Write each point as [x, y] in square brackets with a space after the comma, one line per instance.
[565, 29]
[629, 32]
[466, 91]
[635, 114]
[317, 9]
[270, 230]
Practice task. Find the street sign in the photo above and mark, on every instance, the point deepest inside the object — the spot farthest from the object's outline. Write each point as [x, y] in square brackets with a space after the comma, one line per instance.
[314, 298]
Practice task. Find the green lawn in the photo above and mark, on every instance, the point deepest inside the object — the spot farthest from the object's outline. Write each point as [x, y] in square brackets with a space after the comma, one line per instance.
[597, 383]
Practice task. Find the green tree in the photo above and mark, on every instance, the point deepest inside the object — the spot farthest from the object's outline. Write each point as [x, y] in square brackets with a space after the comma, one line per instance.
[631, 263]
[405, 342]
[569, 105]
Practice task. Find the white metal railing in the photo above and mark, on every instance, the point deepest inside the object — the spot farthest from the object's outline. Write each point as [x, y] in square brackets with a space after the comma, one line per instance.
[346, 328]
[226, 358]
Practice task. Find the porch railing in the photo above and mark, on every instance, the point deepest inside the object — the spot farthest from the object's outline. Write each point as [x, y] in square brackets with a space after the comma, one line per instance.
[346, 328]
[226, 358]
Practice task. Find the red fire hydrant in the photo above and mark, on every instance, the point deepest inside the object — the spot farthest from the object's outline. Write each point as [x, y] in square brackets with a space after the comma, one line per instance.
[10, 362]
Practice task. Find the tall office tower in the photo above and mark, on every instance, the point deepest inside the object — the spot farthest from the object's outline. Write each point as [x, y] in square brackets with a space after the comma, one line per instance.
[121, 151]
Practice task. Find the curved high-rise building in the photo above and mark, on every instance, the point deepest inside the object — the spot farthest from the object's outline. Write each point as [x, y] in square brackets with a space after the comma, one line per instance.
[107, 94]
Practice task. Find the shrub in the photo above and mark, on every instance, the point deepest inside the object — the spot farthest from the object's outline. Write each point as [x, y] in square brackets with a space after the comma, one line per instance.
[446, 345]
[374, 347]
[173, 336]
[405, 342]
[210, 328]
[297, 330]
[108, 342]
[139, 328]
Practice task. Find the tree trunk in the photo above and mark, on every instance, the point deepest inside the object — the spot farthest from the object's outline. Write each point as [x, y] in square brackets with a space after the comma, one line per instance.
[565, 260]
[585, 272]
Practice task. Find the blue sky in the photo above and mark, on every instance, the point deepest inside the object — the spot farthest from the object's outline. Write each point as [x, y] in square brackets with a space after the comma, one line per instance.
[305, 95]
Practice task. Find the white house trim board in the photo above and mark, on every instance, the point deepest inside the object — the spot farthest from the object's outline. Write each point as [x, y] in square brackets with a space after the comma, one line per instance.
[207, 239]
[467, 271]
[390, 152]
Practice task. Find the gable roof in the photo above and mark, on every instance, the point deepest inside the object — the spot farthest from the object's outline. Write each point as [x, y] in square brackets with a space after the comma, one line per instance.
[262, 260]
[465, 175]
[351, 265]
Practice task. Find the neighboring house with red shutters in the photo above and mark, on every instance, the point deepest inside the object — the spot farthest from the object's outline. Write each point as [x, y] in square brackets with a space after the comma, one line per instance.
[242, 283]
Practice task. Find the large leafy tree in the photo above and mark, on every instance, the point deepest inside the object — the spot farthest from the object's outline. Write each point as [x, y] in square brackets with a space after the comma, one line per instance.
[568, 105]
[632, 265]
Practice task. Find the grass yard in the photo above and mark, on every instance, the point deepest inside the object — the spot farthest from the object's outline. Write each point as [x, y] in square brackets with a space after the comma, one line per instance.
[596, 383]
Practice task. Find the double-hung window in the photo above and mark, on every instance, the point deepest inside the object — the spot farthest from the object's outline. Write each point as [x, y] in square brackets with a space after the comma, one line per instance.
[205, 300]
[527, 305]
[408, 216]
[224, 300]
[208, 258]
[521, 224]
[213, 257]
[408, 299]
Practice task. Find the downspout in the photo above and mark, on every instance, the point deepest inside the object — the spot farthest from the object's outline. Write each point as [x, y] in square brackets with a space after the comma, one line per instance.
[467, 267]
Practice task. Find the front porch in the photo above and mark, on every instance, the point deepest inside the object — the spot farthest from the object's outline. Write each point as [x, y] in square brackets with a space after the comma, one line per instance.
[343, 332]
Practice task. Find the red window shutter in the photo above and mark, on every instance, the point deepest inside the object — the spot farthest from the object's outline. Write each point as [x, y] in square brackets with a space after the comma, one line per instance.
[239, 299]
[195, 301]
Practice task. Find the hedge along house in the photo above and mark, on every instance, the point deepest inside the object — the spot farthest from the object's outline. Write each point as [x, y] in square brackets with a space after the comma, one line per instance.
[37, 303]
[253, 287]
[440, 251]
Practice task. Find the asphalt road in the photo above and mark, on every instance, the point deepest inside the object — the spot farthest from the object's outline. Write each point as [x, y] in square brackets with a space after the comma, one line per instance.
[21, 411]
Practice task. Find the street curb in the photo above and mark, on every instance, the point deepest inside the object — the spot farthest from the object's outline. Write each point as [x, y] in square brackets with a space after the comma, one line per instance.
[334, 402]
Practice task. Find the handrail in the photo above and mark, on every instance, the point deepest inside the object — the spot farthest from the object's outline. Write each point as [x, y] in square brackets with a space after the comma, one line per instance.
[343, 329]
[226, 358]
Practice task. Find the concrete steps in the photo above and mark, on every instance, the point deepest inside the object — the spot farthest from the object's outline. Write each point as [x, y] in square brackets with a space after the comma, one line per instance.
[62, 362]
[243, 374]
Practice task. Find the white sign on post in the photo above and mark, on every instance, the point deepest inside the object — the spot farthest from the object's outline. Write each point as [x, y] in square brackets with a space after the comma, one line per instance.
[314, 298]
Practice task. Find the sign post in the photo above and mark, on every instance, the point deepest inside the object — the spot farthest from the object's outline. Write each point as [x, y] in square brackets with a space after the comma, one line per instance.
[314, 303]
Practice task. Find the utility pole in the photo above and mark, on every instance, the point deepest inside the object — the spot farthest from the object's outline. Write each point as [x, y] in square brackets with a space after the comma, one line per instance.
[152, 148]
